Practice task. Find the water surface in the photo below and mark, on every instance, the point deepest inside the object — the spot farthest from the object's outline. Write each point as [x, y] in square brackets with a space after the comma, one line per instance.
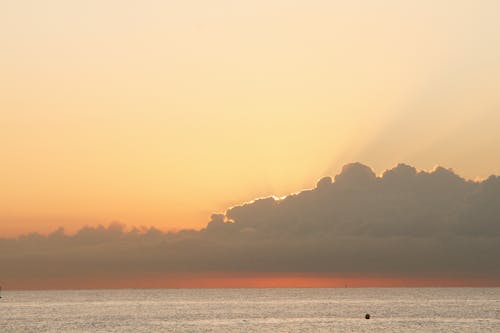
[253, 310]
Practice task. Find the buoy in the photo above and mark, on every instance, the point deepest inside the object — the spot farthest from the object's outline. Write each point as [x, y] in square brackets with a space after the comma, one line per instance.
[367, 316]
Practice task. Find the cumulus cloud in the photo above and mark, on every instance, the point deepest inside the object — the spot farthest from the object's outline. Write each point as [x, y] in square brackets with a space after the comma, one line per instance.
[404, 222]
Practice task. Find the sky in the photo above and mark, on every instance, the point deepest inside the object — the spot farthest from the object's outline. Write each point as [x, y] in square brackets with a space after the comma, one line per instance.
[403, 228]
[160, 113]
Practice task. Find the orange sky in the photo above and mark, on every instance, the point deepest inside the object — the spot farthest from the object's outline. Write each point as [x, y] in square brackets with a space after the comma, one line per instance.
[251, 280]
[161, 113]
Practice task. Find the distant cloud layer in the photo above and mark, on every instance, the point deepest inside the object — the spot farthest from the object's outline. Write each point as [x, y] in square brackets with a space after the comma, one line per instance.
[402, 223]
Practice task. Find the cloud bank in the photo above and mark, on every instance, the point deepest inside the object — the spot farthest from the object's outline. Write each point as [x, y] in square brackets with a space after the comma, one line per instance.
[403, 223]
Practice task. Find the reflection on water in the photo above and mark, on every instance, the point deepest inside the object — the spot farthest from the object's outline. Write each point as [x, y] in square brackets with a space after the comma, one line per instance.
[253, 310]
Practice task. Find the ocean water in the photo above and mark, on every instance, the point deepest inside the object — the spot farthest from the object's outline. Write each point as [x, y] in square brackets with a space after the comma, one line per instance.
[253, 310]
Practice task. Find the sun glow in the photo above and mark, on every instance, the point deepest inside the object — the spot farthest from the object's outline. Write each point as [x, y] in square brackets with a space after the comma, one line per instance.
[249, 280]
[179, 110]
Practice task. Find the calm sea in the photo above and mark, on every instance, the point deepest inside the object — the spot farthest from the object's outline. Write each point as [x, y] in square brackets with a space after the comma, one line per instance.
[253, 310]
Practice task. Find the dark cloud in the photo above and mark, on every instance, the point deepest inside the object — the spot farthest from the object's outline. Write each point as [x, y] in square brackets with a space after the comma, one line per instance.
[404, 222]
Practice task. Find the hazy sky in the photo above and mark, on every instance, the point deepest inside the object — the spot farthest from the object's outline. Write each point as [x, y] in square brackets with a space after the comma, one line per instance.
[402, 228]
[162, 112]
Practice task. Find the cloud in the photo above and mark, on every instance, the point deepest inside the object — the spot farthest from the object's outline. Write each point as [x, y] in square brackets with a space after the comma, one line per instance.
[405, 222]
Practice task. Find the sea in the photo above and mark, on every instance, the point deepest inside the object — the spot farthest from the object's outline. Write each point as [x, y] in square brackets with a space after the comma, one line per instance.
[252, 310]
